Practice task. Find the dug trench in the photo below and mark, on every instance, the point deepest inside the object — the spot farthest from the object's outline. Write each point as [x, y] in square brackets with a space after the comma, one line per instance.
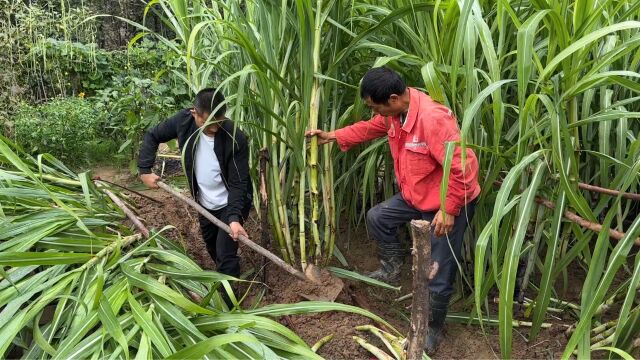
[461, 341]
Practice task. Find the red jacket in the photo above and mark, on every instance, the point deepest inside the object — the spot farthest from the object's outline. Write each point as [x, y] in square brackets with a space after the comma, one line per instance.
[418, 151]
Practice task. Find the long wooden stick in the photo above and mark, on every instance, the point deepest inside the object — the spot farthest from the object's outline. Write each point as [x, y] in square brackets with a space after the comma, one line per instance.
[618, 235]
[598, 189]
[420, 303]
[243, 239]
[573, 217]
[134, 219]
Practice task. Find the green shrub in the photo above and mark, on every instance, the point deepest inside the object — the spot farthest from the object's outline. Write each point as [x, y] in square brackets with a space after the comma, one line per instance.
[67, 128]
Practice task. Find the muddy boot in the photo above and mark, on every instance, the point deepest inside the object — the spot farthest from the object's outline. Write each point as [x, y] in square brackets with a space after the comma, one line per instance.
[389, 271]
[439, 305]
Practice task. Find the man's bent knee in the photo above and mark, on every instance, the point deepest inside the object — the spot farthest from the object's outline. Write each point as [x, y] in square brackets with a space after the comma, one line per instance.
[373, 216]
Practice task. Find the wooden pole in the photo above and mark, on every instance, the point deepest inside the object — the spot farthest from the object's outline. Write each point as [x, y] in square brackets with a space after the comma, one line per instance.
[243, 239]
[420, 305]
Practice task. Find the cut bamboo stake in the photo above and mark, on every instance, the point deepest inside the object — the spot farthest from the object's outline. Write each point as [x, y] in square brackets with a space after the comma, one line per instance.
[134, 219]
[420, 303]
[243, 239]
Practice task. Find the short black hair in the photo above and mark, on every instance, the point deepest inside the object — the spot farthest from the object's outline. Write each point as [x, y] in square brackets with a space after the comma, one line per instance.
[380, 83]
[209, 99]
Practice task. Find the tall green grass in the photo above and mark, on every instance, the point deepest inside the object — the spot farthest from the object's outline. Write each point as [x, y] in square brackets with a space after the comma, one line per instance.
[546, 93]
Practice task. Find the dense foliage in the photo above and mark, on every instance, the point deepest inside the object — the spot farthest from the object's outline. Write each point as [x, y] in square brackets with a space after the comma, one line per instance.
[546, 93]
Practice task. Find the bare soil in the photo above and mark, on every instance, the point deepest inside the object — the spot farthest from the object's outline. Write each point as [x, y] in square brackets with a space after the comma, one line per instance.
[461, 341]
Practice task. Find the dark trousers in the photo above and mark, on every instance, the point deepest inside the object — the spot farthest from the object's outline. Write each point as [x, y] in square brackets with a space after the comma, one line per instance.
[221, 247]
[384, 219]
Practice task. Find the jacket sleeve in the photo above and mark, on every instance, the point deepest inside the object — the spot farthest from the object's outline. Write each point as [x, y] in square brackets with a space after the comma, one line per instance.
[239, 179]
[462, 181]
[352, 135]
[163, 132]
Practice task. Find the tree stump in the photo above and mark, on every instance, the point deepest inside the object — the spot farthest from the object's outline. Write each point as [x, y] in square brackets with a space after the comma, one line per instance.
[420, 306]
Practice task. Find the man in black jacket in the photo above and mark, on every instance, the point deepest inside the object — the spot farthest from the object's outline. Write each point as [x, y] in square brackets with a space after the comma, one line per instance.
[217, 168]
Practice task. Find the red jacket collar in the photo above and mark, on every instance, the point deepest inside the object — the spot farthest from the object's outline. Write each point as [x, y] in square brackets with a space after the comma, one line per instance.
[412, 114]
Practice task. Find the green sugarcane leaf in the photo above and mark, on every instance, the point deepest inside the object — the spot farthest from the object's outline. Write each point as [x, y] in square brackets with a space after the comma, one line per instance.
[147, 283]
[145, 322]
[352, 275]
[109, 321]
[204, 347]
[18, 259]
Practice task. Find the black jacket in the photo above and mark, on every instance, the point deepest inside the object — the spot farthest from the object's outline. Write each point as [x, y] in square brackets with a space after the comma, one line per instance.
[231, 149]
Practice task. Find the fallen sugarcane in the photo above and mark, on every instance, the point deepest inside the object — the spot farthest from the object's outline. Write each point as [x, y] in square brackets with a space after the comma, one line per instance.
[573, 217]
[77, 284]
[116, 200]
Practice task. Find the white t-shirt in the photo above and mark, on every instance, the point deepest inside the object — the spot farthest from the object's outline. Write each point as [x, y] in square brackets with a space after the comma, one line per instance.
[212, 194]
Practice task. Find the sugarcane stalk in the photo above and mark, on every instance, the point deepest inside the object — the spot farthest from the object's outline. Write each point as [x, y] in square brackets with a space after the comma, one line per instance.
[404, 297]
[119, 243]
[604, 342]
[264, 208]
[50, 178]
[314, 106]
[398, 344]
[495, 322]
[561, 303]
[601, 190]
[609, 303]
[603, 335]
[134, 219]
[527, 303]
[603, 327]
[386, 338]
[573, 217]
[321, 343]
[279, 213]
[618, 235]
[531, 259]
[378, 353]
[329, 204]
[301, 232]
[278, 225]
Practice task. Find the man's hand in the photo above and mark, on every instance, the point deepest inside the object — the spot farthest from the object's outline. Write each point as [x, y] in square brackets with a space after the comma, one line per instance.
[442, 224]
[237, 230]
[323, 136]
[150, 180]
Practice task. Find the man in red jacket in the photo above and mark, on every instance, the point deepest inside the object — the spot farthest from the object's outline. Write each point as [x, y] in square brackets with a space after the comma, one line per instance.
[418, 129]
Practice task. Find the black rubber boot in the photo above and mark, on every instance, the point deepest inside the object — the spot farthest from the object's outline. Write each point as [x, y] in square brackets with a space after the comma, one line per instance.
[391, 259]
[439, 306]
[389, 271]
